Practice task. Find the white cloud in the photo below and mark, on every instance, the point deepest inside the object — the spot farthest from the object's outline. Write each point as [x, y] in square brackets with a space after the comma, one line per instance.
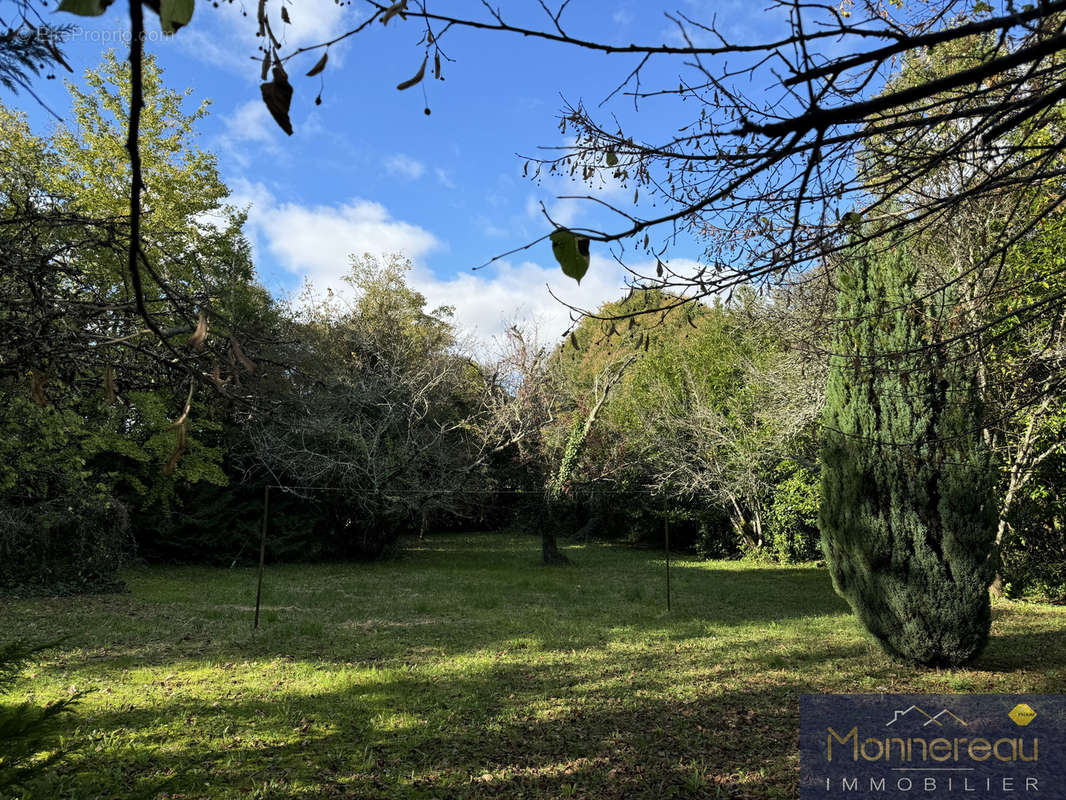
[532, 206]
[561, 212]
[565, 212]
[250, 125]
[487, 301]
[231, 38]
[210, 45]
[404, 167]
[489, 228]
[316, 241]
[739, 21]
[251, 122]
[312, 22]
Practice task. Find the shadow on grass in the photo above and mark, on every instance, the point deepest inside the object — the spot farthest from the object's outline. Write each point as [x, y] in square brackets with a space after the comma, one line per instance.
[408, 737]
[581, 685]
[651, 724]
[1023, 648]
[513, 730]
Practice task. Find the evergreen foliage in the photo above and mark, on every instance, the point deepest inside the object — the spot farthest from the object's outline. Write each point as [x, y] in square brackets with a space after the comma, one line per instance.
[908, 516]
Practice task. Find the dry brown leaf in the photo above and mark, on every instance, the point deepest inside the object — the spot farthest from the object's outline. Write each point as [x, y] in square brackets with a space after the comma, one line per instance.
[199, 336]
[396, 8]
[179, 447]
[238, 353]
[319, 65]
[277, 94]
[216, 377]
[414, 81]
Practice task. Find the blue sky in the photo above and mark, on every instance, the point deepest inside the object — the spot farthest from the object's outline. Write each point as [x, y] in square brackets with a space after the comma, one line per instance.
[368, 171]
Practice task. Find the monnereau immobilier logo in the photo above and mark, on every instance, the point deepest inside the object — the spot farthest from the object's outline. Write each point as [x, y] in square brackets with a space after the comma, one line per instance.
[934, 745]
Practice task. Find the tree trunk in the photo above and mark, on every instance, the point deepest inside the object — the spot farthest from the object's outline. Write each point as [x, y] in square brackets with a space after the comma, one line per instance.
[742, 527]
[550, 551]
[997, 586]
[549, 546]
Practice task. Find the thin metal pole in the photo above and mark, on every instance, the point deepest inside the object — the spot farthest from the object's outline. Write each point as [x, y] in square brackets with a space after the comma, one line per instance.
[262, 553]
[666, 530]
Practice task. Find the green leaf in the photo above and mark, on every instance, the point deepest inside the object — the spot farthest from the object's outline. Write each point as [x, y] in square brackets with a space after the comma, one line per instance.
[572, 253]
[174, 14]
[85, 8]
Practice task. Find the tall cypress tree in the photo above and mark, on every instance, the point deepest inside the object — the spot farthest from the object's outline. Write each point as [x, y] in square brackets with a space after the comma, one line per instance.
[908, 511]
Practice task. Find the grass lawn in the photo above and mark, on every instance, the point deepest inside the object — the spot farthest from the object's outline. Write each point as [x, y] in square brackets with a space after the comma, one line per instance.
[465, 669]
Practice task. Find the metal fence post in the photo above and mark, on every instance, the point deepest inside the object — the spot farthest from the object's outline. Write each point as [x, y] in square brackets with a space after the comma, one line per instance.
[666, 532]
[262, 553]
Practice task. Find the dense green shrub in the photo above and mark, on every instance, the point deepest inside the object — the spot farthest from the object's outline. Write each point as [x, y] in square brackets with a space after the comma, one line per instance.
[630, 517]
[63, 546]
[792, 519]
[715, 535]
[1033, 554]
[637, 518]
[222, 525]
[908, 516]
[60, 531]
